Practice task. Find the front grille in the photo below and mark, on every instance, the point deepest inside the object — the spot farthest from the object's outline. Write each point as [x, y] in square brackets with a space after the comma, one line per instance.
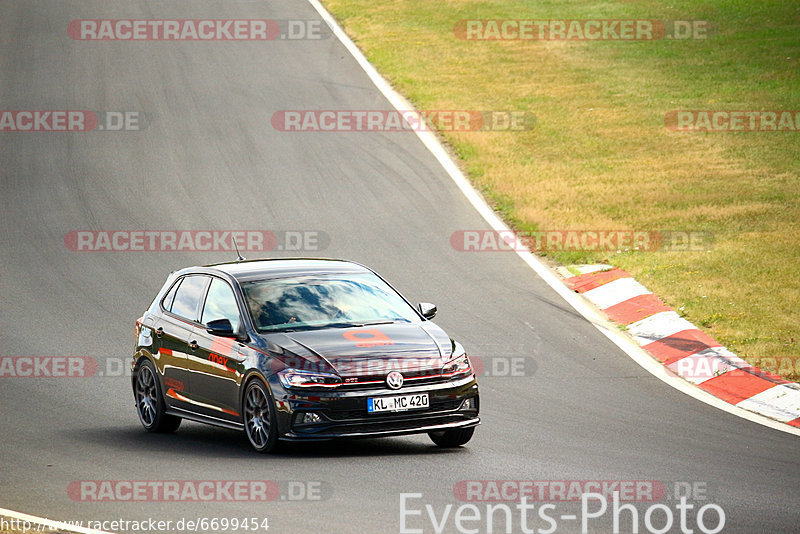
[374, 382]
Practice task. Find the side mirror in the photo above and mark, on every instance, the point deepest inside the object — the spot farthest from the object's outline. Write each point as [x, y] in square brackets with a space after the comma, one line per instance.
[220, 327]
[427, 309]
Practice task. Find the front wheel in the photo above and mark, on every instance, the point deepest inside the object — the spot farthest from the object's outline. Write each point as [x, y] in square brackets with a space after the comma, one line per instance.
[452, 438]
[260, 423]
[150, 403]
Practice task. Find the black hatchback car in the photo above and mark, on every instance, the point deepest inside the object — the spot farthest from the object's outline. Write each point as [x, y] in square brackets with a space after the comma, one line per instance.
[299, 349]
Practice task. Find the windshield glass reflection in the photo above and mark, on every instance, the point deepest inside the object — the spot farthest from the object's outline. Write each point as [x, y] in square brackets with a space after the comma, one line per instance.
[331, 301]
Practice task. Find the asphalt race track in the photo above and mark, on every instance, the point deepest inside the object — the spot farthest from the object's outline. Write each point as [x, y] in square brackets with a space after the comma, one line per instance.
[209, 159]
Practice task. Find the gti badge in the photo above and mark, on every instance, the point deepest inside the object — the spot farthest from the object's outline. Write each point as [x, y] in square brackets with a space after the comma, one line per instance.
[394, 380]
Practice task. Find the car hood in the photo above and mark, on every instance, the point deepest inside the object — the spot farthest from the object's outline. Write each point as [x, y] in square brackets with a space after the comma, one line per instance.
[366, 351]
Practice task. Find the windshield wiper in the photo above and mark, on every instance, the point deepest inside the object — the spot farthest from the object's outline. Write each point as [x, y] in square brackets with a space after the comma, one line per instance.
[356, 325]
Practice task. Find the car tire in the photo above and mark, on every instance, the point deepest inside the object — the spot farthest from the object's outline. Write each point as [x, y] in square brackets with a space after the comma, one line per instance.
[258, 415]
[452, 438]
[150, 405]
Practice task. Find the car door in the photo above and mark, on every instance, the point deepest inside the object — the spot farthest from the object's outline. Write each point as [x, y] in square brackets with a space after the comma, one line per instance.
[180, 312]
[217, 362]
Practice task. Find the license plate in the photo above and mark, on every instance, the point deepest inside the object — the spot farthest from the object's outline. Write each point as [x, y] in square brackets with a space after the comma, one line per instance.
[399, 403]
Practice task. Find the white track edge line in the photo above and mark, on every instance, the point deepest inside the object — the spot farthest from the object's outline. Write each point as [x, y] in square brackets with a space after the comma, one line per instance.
[49, 523]
[608, 329]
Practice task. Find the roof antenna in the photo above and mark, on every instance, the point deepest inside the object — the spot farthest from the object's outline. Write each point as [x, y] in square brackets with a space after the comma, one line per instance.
[239, 256]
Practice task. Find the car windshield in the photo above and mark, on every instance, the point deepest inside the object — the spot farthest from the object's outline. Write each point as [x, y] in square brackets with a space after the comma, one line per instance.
[324, 301]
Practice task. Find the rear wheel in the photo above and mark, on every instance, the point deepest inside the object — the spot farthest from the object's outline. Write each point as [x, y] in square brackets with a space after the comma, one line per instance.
[452, 438]
[150, 403]
[260, 423]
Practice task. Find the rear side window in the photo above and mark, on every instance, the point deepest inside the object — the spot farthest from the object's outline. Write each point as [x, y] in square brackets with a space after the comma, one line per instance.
[167, 301]
[221, 304]
[188, 295]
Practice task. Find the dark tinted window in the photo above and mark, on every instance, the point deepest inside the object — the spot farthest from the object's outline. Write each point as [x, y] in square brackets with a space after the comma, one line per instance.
[188, 296]
[221, 304]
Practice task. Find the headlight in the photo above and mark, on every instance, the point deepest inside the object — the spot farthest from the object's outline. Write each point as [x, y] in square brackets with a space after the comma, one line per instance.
[457, 368]
[293, 378]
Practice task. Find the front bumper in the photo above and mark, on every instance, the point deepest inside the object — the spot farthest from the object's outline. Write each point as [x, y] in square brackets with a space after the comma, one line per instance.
[343, 413]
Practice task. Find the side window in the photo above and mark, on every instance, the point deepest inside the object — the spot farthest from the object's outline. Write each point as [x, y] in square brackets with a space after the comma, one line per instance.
[188, 296]
[221, 304]
[167, 300]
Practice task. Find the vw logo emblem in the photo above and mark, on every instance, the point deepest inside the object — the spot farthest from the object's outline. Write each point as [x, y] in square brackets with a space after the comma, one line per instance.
[394, 380]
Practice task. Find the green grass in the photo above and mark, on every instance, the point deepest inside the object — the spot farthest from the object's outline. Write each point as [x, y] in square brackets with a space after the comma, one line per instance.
[600, 156]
